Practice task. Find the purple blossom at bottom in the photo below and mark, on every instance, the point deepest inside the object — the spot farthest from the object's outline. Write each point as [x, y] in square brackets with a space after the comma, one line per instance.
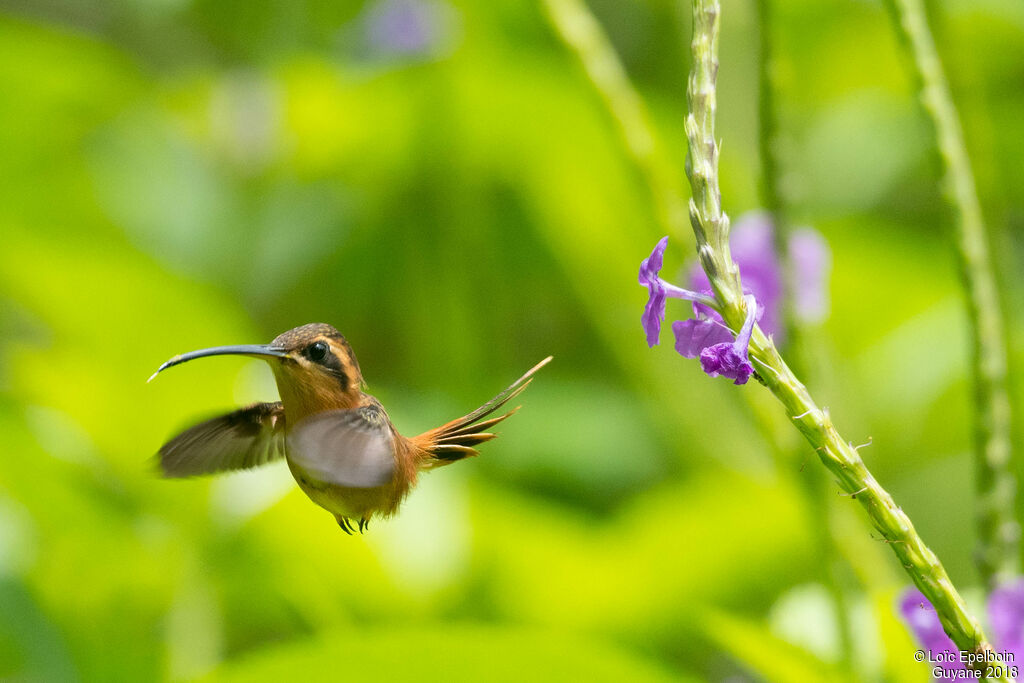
[705, 336]
[924, 622]
[1006, 616]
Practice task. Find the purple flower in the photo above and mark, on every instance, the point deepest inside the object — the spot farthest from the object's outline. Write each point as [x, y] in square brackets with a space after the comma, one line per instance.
[654, 311]
[696, 334]
[658, 290]
[731, 359]
[753, 248]
[705, 336]
[1005, 611]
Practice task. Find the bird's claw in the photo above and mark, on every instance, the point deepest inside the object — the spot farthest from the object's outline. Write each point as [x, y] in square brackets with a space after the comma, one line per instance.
[349, 527]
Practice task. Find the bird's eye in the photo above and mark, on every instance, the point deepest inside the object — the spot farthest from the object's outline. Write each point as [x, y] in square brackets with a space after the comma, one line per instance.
[317, 351]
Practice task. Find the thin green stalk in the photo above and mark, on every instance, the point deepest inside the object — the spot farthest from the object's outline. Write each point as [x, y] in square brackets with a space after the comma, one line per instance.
[767, 137]
[768, 153]
[997, 555]
[773, 202]
[767, 122]
[580, 31]
[711, 227]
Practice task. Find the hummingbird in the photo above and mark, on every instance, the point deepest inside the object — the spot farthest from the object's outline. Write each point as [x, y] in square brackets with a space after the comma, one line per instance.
[338, 441]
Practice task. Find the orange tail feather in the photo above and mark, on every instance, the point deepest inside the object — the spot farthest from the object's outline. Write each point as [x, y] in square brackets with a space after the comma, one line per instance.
[455, 440]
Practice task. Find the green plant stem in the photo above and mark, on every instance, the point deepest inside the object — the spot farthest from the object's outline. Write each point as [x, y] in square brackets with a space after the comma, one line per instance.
[711, 227]
[767, 122]
[583, 34]
[768, 152]
[767, 136]
[998, 531]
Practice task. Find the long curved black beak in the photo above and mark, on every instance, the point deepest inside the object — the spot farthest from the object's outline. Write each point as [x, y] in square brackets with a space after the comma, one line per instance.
[258, 350]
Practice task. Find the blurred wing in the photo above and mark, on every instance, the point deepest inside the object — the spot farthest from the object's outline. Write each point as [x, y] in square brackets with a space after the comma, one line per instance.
[352, 448]
[245, 438]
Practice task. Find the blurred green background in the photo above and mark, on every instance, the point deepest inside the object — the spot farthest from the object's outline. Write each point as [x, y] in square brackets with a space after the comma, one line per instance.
[451, 193]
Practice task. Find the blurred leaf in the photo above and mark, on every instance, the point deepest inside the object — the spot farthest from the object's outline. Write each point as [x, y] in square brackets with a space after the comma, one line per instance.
[669, 549]
[30, 647]
[446, 652]
[858, 149]
[605, 449]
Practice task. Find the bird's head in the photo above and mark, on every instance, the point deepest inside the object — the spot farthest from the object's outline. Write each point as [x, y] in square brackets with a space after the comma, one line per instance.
[314, 366]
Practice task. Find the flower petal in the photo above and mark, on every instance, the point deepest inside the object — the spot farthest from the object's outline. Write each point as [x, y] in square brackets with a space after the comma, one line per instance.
[722, 359]
[754, 311]
[733, 360]
[706, 312]
[693, 336]
[654, 311]
[650, 267]
[924, 622]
